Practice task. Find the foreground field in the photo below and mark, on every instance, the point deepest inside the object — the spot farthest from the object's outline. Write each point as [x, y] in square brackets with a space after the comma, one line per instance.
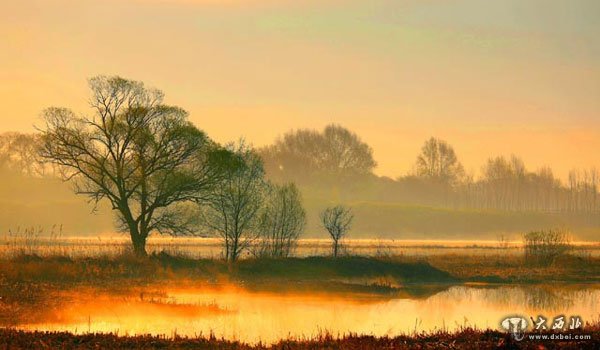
[465, 339]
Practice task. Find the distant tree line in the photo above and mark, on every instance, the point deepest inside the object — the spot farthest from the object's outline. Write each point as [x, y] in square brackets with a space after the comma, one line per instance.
[337, 164]
[504, 184]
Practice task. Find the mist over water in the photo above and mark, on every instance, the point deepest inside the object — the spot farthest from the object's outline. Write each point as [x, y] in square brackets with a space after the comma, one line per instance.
[268, 316]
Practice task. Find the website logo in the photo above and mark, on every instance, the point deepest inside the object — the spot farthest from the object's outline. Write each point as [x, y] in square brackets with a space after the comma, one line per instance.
[516, 326]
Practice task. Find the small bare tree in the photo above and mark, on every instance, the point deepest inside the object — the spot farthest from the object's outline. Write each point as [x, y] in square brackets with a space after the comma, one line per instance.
[337, 221]
[232, 213]
[282, 221]
[142, 156]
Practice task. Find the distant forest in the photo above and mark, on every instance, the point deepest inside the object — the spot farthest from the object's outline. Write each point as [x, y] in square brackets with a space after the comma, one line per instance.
[437, 199]
[336, 164]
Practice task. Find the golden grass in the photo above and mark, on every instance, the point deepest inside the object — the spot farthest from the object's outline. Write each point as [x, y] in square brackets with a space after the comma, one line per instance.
[466, 338]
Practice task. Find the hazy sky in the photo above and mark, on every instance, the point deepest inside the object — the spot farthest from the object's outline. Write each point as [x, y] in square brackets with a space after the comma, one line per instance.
[490, 77]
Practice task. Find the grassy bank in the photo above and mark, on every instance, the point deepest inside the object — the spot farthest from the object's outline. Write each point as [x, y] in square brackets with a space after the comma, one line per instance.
[162, 267]
[385, 271]
[500, 268]
[467, 338]
[27, 281]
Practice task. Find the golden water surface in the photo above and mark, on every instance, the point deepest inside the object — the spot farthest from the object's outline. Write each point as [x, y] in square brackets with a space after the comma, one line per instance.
[233, 313]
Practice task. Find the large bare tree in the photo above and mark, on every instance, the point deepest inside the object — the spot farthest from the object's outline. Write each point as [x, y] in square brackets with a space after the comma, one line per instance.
[135, 152]
[337, 221]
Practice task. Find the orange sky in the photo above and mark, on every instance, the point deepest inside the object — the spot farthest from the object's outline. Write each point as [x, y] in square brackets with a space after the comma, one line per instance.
[489, 77]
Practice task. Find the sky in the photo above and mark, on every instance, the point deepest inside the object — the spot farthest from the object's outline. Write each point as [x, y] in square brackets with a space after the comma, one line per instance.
[490, 77]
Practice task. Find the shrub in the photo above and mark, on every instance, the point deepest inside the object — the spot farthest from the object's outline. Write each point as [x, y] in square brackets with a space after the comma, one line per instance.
[543, 247]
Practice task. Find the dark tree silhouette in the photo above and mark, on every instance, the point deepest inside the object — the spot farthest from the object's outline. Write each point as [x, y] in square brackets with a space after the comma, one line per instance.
[336, 151]
[139, 154]
[337, 221]
[438, 162]
[19, 153]
[233, 211]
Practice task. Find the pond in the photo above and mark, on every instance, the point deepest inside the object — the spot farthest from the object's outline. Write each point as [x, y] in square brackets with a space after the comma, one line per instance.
[233, 313]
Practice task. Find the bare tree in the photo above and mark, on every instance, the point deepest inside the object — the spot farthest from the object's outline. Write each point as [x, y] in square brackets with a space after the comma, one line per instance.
[438, 162]
[139, 154]
[20, 153]
[498, 176]
[232, 213]
[282, 221]
[337, 221]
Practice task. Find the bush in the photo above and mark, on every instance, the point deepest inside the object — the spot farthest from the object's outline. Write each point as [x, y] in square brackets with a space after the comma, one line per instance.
[543, 247]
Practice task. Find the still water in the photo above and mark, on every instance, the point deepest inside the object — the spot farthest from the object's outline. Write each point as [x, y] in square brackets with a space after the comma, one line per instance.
[269, 316]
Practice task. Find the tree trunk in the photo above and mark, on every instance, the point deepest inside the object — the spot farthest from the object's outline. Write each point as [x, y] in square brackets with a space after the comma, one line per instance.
[335, 248]
[139, 244]
[139, 247]
[233, 254]
[138, 234]
[234, 249]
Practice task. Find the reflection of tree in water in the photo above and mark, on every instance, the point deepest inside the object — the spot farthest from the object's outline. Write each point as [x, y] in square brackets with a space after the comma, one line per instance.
[543, 298]
[546, 299]
[560, 299]
[425, 292]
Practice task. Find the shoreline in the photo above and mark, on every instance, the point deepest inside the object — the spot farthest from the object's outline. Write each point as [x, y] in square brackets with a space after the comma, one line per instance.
[466, 338]
[441, 269]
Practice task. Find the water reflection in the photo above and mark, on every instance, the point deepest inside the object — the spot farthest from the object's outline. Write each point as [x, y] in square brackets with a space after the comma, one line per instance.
[252, 316]
[549, 298]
